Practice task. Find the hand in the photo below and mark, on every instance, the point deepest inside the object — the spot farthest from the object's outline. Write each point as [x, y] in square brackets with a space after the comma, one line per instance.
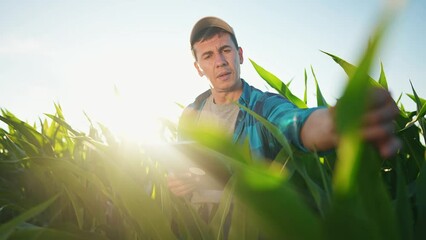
[182, 184]
[378, 126]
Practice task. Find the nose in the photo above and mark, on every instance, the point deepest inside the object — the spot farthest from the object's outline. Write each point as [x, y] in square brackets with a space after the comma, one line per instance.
[220, 60]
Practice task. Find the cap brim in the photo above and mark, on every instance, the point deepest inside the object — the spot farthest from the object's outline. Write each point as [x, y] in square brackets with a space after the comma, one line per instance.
[208, 22]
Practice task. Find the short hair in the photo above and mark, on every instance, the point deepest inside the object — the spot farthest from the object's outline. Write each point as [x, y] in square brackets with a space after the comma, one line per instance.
[209, 33]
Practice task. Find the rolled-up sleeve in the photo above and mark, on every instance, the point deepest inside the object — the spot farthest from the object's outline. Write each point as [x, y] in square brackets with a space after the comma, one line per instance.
[287, 117]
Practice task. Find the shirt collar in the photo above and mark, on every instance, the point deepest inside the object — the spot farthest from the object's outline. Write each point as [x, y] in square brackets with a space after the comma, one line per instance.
[245, 95]
[243, 100]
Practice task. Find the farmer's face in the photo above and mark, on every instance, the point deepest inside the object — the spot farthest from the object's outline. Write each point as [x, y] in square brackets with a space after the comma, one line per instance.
[219, 60]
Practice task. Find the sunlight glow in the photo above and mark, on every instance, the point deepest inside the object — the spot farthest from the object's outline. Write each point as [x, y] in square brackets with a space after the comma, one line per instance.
[131, 99]
[137, 120]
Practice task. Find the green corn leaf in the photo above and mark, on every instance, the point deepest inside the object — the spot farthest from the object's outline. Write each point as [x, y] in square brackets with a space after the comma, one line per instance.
[418, 117]
[130, 196]
[78, 209]
[16, 151]
[246, 226]
[412, 148]
[349, 122]
[316, 191]
[188, 221]
[216, 140]
[108, 135]
[249, 183]
[373, 193]
[29, 148]
[420, 230]
[368, 212]
[66, 171]
[180, 105]
[93, 143]
[289, 83]
[420, 112]
[320, 98]
[382, 79]
[6, 229]
[403, 206]
[219, 220]
[59, 112]
[272, 128]
[399, 100]
[31, 135]
[417, 100]
[310, 180]
[347, 168]
[265, 193]
[35, 232]
[305, 97]
[64, 124]
[358, 189]
[326, 181]
[350, 69]
[278, 85]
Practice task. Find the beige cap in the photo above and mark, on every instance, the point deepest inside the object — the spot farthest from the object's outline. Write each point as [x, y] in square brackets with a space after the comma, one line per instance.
[207, 22]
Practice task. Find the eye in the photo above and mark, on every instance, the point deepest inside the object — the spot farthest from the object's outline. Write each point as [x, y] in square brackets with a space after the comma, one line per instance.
[207, 56]
[227, 50]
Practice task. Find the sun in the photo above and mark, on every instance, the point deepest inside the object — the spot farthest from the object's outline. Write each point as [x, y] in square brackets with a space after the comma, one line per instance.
[135, 118]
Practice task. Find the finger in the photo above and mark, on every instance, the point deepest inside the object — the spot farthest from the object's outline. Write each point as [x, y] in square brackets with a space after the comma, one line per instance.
[182, 190]
[378, 97]
[180, 177]
[389, 147]
[177, 182]
[386, 113]
[181, 185]
[378, 132]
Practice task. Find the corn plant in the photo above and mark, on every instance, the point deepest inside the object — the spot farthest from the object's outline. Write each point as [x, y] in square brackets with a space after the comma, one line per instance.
[59, 183]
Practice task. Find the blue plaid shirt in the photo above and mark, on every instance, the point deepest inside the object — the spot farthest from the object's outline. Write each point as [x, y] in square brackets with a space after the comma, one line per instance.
[273, 107]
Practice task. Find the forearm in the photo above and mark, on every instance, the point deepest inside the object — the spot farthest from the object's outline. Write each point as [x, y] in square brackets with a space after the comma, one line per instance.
[318, 133]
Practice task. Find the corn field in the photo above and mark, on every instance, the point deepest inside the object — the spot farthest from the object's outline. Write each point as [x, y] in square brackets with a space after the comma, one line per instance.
[59, 183]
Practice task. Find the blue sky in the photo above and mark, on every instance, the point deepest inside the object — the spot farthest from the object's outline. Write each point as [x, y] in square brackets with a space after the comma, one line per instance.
[126, 63]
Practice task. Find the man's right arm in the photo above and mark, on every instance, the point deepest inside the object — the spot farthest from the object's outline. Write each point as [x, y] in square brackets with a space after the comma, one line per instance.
[319, 131]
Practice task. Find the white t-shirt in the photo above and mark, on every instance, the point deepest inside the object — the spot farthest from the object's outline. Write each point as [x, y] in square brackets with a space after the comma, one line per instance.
[221, 116]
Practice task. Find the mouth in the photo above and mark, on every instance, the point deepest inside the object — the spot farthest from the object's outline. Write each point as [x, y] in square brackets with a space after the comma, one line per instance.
[224, 75]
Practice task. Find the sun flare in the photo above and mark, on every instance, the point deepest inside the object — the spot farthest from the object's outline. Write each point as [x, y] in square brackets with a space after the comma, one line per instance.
[133, 118]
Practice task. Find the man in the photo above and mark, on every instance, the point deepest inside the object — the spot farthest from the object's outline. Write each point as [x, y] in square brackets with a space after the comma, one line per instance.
[218, 58]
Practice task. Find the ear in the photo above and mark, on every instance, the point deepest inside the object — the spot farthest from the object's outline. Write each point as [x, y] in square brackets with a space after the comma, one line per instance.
[199, 70]
[240, 54]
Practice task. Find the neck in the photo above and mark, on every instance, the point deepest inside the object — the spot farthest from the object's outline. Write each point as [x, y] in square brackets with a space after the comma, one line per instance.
[223, 97]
